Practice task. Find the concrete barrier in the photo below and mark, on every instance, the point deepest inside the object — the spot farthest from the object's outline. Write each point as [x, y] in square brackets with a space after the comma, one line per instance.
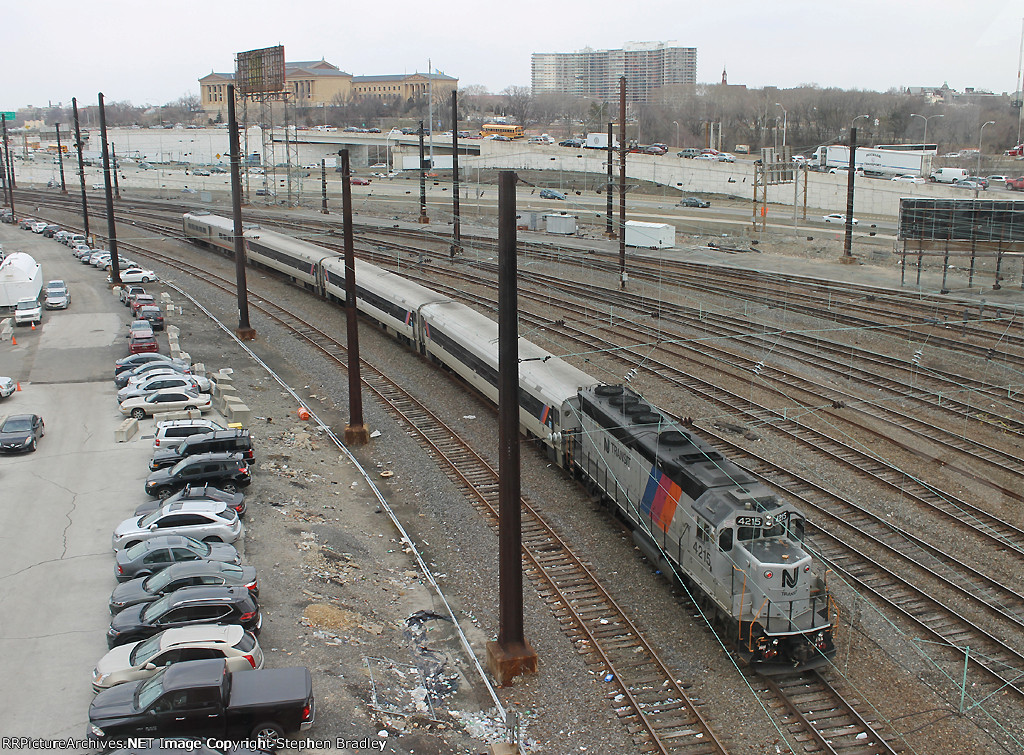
[173, 330]
[224, 400]
[185, 356]
[238, 413]
[116, 291]
[126, 430]
[199, 369]
[180, 414]
[6, 329]
[165, 297]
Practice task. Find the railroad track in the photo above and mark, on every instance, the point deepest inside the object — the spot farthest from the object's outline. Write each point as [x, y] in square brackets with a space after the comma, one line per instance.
[807, 702]
[651, 702]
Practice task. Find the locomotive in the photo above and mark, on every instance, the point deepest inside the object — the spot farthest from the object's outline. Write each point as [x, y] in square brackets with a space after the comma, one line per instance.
[736, 546]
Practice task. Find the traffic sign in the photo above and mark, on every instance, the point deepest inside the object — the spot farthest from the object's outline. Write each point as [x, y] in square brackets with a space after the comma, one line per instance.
[7, 115]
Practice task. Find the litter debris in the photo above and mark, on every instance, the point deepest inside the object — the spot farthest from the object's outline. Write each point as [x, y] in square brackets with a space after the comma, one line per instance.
[375, 434]
[387, 473]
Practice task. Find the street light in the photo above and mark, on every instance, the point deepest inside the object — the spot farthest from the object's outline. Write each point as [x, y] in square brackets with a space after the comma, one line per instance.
[857, 119]
[677, 133]
[980, 134]
[926, 117]
[785, 120]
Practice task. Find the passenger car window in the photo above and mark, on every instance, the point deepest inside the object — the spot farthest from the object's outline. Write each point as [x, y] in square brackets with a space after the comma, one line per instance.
[158, 556]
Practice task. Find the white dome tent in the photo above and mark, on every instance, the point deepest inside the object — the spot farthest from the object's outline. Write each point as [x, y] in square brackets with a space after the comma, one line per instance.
[20, 278]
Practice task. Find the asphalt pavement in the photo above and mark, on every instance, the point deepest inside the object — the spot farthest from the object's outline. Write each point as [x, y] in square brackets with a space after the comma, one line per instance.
[59, 504]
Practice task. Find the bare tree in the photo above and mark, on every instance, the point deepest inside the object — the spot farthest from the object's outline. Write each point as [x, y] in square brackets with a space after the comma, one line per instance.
[520, 104]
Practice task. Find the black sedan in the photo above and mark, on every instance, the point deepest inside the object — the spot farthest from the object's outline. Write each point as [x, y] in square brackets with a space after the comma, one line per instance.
[21, 432]
[195, 493]
[693, 202]
[185, 607]
[150, 556]
[185, 574]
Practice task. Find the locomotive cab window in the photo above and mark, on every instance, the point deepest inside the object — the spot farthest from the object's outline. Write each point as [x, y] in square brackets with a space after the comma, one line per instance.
[705, 532]
[725, 540]
[796, 528]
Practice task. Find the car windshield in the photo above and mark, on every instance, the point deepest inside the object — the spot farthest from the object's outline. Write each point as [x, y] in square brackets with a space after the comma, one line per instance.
[26, 305]
[176, 469]
[158, 581]
[150, 691]
[156, 608]
[17, 424]
[144, 650]
[149, 519]
[136, 551]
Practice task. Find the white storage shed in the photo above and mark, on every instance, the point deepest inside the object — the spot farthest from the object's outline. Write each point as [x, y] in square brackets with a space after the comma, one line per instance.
[561, 223]
[650, 235]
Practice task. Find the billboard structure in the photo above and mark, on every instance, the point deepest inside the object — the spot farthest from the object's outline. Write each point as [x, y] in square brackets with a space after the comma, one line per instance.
[981, 228]
[260, 71]
[260, 79]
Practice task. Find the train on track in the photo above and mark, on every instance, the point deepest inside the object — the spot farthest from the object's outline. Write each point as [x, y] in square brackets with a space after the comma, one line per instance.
[733, 543]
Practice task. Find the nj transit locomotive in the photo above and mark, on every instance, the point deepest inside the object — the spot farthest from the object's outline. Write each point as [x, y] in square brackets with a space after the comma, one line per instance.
[723, 534]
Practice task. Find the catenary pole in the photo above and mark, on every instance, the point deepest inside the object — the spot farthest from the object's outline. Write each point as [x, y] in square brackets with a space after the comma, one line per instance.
[81, 168]
[355, 432]
[108, 193]
[245, 331]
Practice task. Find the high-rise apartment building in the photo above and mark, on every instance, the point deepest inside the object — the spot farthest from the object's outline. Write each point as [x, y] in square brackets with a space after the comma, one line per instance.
[595, 73]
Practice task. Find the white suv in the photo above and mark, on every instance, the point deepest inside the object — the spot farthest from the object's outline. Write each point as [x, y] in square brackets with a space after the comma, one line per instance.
[171, 433]
[28, 311]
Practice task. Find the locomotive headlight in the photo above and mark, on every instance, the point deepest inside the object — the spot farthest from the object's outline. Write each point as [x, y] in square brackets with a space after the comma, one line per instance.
[807, 567]
[768, 574]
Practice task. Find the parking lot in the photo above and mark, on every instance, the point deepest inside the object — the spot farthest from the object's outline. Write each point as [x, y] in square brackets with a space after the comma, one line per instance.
[60, 503]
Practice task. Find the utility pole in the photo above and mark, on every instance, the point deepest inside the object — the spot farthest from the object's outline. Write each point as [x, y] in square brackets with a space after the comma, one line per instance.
[609, 226]
[60, 157]
[848, 240]
[511, 655]
[113, 161]
[355, 432]
[81, 169]
[115, 267]
[423, 181]
[8, 166]
[456, 223]
[323, 186]
[622, 183]
[244, 331]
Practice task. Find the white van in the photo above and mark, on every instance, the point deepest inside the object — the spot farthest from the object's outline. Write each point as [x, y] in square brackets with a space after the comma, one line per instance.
[948, 175]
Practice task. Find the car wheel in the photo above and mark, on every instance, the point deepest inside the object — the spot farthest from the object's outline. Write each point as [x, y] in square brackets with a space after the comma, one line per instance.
[190, 408]
[145, 280]
[32, 445]
[42, 429]
[212, 539]
[267, 731]
[229, 487]
[138, 413]
[162, 493]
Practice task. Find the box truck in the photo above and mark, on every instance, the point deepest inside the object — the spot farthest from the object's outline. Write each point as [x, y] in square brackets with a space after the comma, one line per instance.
[598, 140]
[873, 161]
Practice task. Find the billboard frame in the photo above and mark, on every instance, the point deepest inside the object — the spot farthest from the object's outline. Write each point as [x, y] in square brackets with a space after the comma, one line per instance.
[260, 71]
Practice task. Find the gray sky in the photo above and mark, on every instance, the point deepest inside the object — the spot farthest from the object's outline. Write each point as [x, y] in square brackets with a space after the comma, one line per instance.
[155, 51]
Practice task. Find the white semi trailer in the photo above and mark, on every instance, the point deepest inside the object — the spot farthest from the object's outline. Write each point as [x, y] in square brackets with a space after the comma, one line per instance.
[874, 161]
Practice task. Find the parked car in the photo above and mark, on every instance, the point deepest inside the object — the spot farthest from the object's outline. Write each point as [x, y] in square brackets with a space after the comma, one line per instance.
[56, 295]
[171, 433]
[185, 574]
[689, 153]
[693, 202]
[140, 328]
[137, 301]
[185, 607]
[356, 181]
[235, 441]
[551, 194]
[165, 400]
[203, 520]
[51, 230]
[234, 500]
[968, 184]
[998, 179]
[725, 157]
[143, 344]
[201, 172]
[837, 217]
[7, 386]
[141, 660]
[150, 556]
[132, 361]
[152, 314]
[21, 432]
[229, 472]
[166, 365]
[909, 179]
[128, 291]
[983, 182]
[258, 706]
[160, 381]
[576, 143]
[136, 275]
[28, 311]
[26, 224]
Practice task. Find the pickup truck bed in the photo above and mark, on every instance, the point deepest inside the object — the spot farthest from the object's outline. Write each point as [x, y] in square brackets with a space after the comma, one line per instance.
[258, 688]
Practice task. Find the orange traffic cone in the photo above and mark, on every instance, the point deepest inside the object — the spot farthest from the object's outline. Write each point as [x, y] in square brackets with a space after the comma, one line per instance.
[19, 386]
[33, 326]
[14, 341]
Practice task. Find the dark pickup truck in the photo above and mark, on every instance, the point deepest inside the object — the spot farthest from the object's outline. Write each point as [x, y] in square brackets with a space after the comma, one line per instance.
[204, 699]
